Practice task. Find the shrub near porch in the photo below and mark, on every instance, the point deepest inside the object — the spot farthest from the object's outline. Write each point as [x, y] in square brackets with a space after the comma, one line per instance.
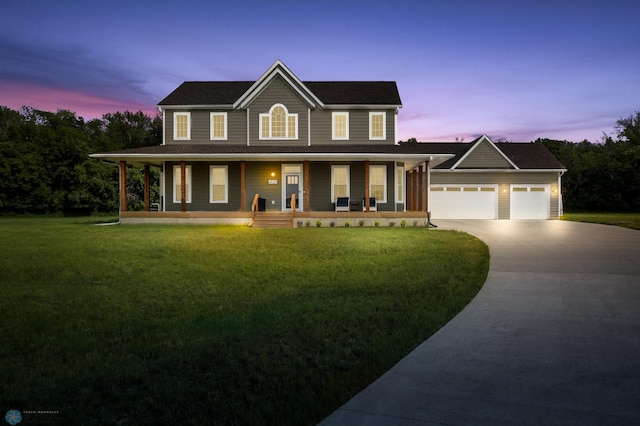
[229, 325]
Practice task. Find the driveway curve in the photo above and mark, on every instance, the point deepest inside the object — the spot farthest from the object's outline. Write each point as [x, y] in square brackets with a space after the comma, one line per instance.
[553, 337]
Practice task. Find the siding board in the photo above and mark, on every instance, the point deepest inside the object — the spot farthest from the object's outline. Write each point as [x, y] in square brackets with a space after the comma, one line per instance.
[484, 156]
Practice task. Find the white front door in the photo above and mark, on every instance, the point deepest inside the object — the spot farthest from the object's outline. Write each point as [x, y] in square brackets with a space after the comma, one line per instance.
[292, 184]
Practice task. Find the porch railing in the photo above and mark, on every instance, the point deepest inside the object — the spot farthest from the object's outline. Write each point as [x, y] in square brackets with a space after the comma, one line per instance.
[254, 207]
[293, 207]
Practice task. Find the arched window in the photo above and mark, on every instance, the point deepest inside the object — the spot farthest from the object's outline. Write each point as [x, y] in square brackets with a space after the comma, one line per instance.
[278, 124]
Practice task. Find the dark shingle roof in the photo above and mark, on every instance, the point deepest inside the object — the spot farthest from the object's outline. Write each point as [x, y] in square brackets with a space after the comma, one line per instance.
[329, 92]
[530, 155]
[207, 93]
[524, 155]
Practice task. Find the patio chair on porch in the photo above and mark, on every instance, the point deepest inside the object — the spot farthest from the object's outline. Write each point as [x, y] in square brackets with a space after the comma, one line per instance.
[372, 204]
[342, 204]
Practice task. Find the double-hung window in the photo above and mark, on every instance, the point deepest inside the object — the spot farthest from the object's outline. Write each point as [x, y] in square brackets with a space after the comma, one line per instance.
[219, 184]
[378, 183]
[340, 126]
[377, 125]
[339, 182]
[399, 184]
[177, 184]
[181, 125]
[278, 123]
[218, 126]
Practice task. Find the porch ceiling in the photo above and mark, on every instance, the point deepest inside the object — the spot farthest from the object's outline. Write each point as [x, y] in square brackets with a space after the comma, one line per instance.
[156, 155]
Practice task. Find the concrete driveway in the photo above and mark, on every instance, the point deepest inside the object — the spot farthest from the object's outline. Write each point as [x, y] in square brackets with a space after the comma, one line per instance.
[553, 337]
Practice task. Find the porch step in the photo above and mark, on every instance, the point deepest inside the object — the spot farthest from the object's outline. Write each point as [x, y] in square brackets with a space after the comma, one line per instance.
[273, 220]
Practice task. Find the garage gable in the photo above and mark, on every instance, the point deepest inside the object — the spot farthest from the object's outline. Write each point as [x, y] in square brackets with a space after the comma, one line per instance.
[484, 154]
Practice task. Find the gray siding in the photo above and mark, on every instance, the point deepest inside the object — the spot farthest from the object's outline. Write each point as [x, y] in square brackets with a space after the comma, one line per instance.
[320, 184]
[200, 192]
[201, 127]
[258, 175]
[484, 156]
[321, 127]
[278, 92]
[503, 180]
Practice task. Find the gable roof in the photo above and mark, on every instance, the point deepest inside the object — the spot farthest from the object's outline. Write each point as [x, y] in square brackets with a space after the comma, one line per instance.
[316, 93]
[489, 157]
[523, 156]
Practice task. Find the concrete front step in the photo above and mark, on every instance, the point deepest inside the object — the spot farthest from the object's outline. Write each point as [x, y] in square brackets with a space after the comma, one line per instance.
[273, 220]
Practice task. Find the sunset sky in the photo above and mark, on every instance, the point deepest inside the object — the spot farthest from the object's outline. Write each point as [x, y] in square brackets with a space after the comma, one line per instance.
[515, 70]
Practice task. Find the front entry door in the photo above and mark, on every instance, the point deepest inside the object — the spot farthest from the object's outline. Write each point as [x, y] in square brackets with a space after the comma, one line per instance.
[292, 186]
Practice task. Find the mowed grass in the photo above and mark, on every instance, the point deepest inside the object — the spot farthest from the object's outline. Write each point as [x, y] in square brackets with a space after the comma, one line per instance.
[216, 325]
[627, 220]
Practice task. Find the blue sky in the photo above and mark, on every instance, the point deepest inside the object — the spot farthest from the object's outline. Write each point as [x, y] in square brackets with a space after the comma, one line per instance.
[515, 70]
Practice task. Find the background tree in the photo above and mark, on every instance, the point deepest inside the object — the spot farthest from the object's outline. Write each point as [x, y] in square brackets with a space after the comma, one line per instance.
[45, 165]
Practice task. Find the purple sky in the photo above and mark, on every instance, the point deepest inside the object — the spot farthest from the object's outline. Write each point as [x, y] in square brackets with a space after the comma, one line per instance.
[515, 70]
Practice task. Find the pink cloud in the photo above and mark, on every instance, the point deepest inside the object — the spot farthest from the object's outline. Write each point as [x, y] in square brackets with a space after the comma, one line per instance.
[15, 95]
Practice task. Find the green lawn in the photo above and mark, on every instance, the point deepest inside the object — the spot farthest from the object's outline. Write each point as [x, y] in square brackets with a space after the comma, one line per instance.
[627, 220]
[226, 325]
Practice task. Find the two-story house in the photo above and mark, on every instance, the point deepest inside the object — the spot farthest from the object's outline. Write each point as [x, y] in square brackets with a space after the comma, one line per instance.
[325, 150]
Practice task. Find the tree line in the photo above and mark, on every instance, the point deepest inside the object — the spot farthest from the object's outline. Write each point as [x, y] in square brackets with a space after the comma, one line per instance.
[45, 165]
[602, 176]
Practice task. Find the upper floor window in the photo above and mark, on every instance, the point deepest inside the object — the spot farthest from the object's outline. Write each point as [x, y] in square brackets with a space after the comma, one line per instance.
[377, 125]
[278, 123]
[340, 125]
[181, 125]
[218, 126]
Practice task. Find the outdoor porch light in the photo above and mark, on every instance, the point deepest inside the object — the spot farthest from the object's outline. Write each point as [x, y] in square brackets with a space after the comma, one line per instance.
[273, 174]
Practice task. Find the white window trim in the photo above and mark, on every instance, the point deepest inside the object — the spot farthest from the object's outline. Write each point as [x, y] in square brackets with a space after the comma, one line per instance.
[333, 168]
[224, 136]
[384, 125]
[175, 127]
[226, 184]
[384, 181]
[333, 126]
[176, 173]
[286, 124]
[400, 190]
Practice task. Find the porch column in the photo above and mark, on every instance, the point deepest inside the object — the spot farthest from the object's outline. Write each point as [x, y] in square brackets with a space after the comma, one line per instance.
[147, 195]
[415, 191]
[408, 197]
[243, 186]
[428, 185]
[366, 186]
[183, 186]
[123, 186]
[306, 187]
[419, 188]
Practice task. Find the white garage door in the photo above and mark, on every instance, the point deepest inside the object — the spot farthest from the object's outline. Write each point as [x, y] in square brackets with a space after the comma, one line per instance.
[464, 202]
[529, 202]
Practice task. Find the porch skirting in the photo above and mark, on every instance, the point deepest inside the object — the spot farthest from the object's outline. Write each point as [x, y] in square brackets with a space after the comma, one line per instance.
[298, 219]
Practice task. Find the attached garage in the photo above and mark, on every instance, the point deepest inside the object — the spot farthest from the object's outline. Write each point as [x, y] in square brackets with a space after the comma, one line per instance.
[529, 201]
[464, 201]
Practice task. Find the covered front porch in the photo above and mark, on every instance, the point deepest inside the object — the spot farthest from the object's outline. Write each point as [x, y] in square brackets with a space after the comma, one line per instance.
[395, 180]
